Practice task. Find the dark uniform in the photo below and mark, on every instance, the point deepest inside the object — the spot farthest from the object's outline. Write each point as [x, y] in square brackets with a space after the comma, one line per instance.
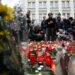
[51, 29]
[28, 20]
[59, 23]
[43, 26]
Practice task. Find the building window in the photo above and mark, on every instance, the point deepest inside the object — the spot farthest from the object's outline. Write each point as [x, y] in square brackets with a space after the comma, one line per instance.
[44, 14]
[40, 4]
[44, 4]
[67, 4]
[56, 14]
[33, 4]
[29, 4]
[56, 4]
[33, 16]
[40, 16]
[68, 15]
[63, 14]
[51, 4]
[63, 4]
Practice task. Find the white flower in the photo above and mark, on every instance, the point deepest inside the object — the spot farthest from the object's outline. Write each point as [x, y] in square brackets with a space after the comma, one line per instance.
[67, 43]
[28, 59]
[64, 51]
[39, 68]
[36, 71]
[24, 47]
[59, 48]
[43, 49]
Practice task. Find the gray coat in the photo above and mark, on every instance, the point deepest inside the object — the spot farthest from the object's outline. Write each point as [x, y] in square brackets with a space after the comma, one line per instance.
[71, 66]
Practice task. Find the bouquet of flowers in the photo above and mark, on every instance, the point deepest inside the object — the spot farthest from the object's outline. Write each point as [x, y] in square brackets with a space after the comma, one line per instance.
[61, 35]
[9, 57]
[6, 14]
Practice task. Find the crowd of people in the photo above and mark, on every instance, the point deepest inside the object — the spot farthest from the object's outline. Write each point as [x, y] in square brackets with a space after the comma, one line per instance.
[51, 29]
[51, 26]
[48, 29]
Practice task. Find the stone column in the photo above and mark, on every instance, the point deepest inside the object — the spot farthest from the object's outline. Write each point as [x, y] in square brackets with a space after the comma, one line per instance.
[48, 6]
[37, 10]
[72, 8]
[60, 6]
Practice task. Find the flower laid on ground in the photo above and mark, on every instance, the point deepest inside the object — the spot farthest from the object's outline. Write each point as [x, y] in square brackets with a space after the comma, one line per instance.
[42, 56]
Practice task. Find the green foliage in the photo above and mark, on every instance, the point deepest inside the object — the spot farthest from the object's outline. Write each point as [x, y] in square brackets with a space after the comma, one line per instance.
[4, 37]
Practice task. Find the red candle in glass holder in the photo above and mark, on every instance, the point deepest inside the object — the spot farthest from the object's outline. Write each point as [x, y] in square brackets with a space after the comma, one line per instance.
[40, 59]
[69, 49]
[32, 56]
[49, 62]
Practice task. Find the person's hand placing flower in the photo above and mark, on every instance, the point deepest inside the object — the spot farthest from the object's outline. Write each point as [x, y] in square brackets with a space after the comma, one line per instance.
[50, 22]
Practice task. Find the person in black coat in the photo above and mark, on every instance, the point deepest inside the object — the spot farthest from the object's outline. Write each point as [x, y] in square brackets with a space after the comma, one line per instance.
[59, 23]
[36, 34]
[66, 24]
[73, 29]
[28, 19]
[50, 28]
[43, 26]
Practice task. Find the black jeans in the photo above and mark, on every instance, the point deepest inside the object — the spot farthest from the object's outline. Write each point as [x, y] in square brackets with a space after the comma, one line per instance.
[50, 34]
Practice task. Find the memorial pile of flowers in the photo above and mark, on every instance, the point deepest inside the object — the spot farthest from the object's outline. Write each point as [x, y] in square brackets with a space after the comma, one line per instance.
[41, 55]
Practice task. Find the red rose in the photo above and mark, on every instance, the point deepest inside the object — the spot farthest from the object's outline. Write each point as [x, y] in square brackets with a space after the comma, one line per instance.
[47, 49]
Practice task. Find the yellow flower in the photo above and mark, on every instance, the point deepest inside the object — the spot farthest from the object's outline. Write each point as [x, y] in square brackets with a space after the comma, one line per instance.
[1, 33]
[6, 12]
[2, 8]
[10, 10]
[8, 17]
[7, 34]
